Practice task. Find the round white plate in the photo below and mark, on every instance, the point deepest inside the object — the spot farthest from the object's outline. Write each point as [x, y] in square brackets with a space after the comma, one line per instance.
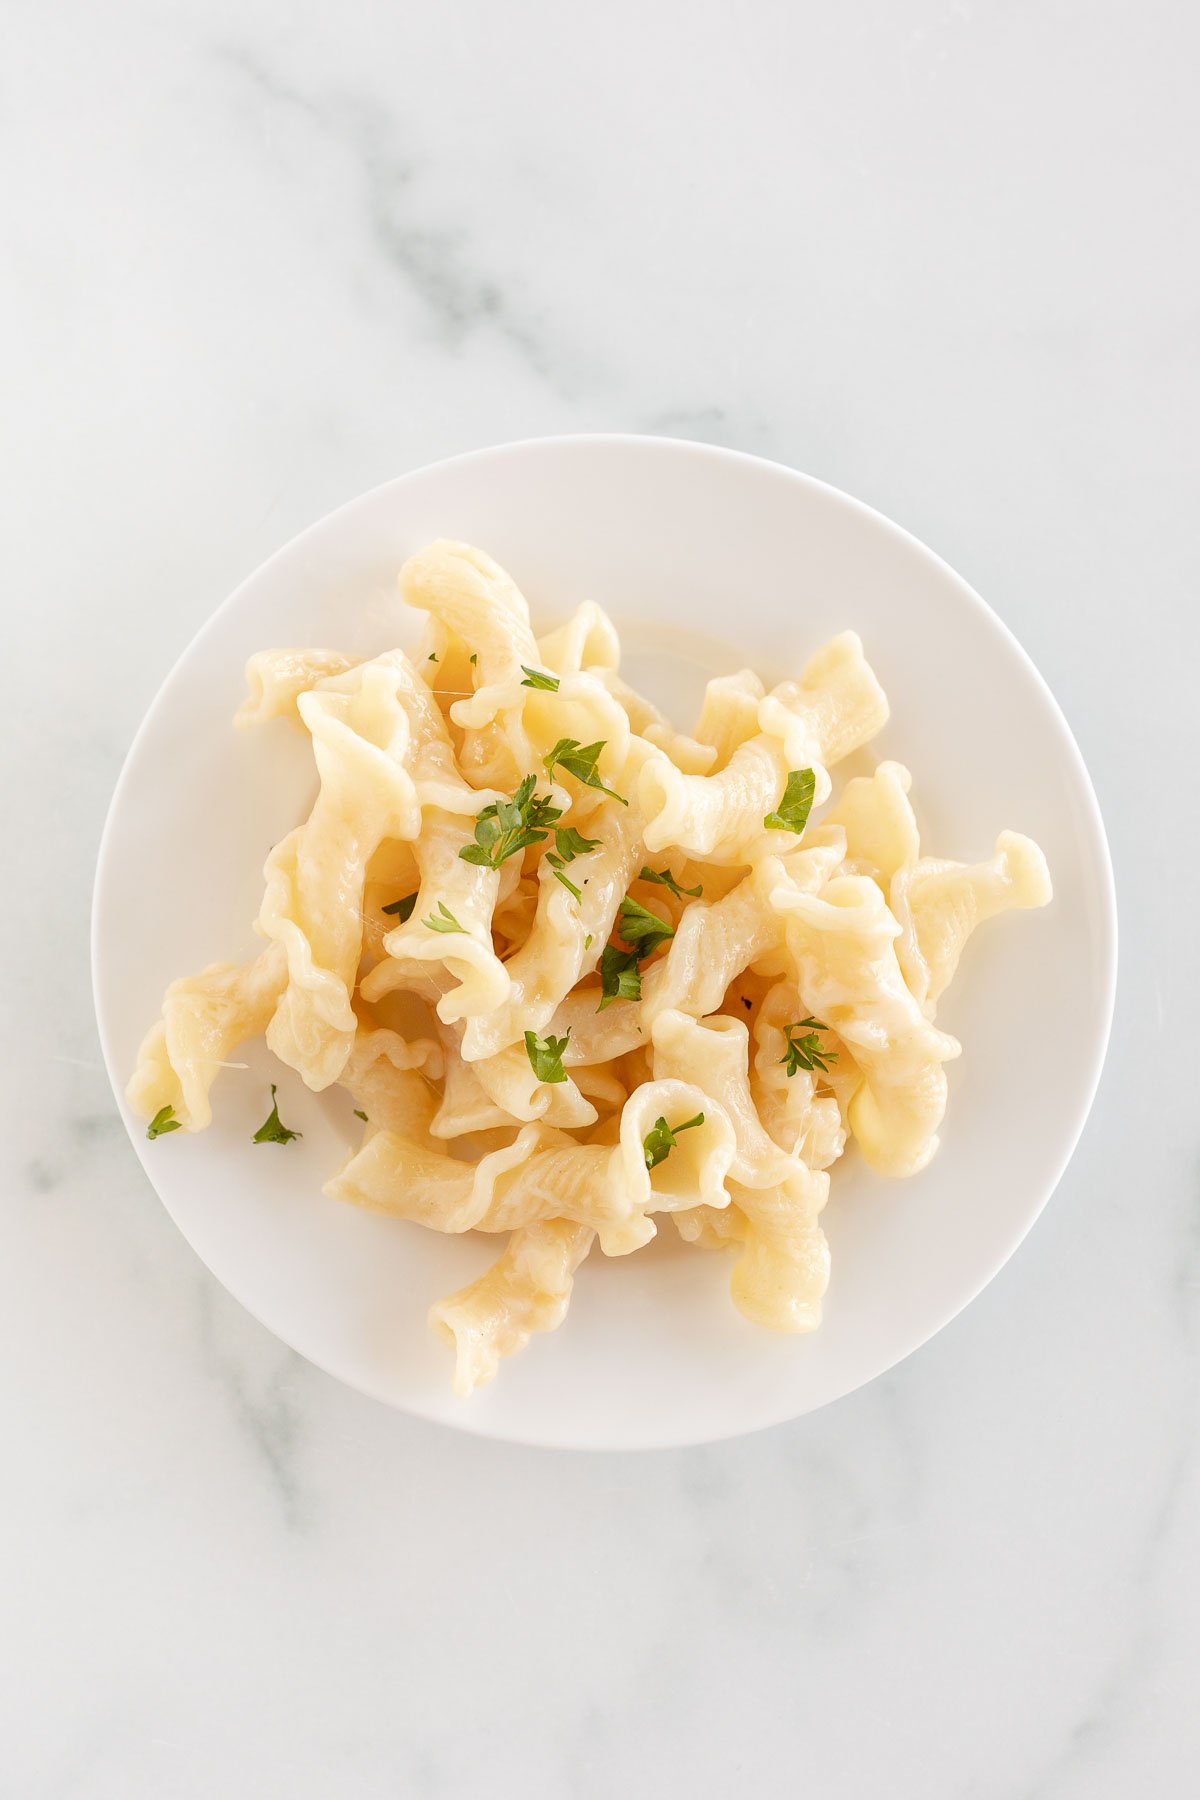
[707, 560]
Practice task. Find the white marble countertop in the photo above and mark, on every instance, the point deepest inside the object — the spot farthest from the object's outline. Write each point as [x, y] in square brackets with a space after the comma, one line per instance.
[257, 258]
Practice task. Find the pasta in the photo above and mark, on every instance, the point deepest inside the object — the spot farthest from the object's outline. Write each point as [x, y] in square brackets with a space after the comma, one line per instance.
[578, 969]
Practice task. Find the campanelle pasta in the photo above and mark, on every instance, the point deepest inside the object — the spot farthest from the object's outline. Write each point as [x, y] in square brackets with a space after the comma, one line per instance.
[577, 968]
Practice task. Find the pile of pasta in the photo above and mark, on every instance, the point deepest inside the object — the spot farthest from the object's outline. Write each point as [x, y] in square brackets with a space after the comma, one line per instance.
[579, 970]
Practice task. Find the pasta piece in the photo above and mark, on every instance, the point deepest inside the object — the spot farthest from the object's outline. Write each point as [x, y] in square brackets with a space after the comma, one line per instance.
[782, 1270]
[875, 814]
[812, 723]
[315, 878]
[646, 719]
[470, 596]
[204, 1019]
[527, 1290]
[450, 926]
[715, 816]
[843, 946]
[391, 1079]
[587, 640]
[544, 1175]
[836, 707]
[567, 935]
[466, 1106]
[796, 1116]
[601, 1083]
[275, 680]
[939, 904]
[715, 1054]
[391, 877]
[714, 944]
[513, 918]
[729, 714]
[509, 1079]
[781, 1275]
[783, 1267]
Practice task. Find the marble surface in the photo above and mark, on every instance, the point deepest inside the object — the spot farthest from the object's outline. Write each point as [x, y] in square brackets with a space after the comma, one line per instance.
[257, 258]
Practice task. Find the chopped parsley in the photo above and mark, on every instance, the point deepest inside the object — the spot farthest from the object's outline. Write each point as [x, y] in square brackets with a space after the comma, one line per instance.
[445, 922]
[545, 1056]
[807, 1051]
[659, 1141]
[620, 977]
[272, 1131]
[664, 878]
[402, 908]
[580, 761]
[537, 678]
[163, 1121]
[508, 826]
[362, 1116]
[642, 928]
[568, 844]
[793, 810]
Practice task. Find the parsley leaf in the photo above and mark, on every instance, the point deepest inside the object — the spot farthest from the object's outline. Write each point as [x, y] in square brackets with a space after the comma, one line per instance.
[664, 878]
[580, 761]
[402, 908]
[545, 1056]
[536, 678]
[794, 808]
[620, 978]
[474, 658]
[163, 1121]
[362, 1116]
[568, 844]
[445, 922]
[555, 863]
[271, 1131]
[806, 1052]
[433, 656]
[659, 1141]
[507, 826]
[642, 928]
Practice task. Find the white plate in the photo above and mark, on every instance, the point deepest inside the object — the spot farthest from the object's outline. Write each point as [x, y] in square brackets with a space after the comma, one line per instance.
[728, 560]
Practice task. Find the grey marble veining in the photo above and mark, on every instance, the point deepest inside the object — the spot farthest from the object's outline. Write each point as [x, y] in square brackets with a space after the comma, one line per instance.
[257, 259]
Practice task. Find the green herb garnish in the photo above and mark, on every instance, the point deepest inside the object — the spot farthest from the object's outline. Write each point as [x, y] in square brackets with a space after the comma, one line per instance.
[402, 908]
[620, 977]
[163, 1121]
[794, 808]
[642, 928]
[507, 826]
[568, 844]
[664, 878]
[433, 656]
[580, 761]
[537, 678]
[362, 1116]
[806, 1052]
[545, 1056]
[474, 658]
[446, 921]
[659, 1141]
[272, 1131]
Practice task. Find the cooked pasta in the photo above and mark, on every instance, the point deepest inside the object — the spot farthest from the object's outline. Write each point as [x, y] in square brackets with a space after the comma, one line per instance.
[577, 968]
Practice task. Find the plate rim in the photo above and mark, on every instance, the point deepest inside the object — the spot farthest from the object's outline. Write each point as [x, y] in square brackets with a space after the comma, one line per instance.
[477, 1424]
